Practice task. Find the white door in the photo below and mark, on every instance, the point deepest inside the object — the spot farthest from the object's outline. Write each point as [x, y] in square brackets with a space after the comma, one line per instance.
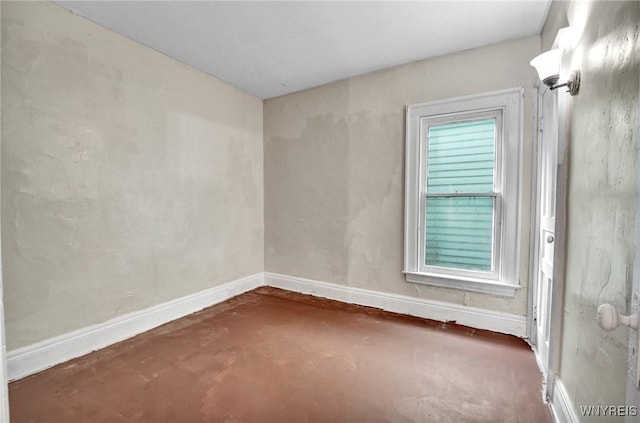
[546, 212]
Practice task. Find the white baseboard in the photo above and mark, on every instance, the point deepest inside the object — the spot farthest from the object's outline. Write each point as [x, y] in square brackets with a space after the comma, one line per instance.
[435, 310]
[39, 356]
[561, 404]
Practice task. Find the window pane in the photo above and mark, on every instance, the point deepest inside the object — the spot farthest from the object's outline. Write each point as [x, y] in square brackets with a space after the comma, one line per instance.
[459, 232]
[461, 156]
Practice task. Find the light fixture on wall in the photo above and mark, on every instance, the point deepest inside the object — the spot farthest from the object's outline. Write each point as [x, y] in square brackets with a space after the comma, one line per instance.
[548, 66]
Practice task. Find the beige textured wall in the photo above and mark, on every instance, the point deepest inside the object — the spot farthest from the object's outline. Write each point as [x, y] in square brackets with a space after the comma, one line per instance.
[603, 142]
[4, 394]
[334, 170]
[128, 179]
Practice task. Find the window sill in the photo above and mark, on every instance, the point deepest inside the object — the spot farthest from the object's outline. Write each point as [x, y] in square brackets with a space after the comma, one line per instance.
[467, 284]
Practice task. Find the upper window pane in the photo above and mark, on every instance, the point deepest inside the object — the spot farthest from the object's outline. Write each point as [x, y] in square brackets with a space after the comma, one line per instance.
[461, 157]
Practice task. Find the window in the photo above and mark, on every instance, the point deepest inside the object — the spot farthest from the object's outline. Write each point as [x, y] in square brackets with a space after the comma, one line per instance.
[462, 183]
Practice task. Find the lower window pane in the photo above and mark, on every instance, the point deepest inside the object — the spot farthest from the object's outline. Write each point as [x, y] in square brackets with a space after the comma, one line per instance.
[459, 232]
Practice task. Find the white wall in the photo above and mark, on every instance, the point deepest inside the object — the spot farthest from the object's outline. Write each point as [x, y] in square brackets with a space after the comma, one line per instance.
[128, 179]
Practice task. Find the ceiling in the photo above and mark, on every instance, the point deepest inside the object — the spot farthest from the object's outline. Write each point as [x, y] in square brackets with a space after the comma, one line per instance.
[270, 49]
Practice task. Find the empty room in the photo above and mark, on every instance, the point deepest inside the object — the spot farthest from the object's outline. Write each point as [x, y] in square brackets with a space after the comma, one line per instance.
[320, 211]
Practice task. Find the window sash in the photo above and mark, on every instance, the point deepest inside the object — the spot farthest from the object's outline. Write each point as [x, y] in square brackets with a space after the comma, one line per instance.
[426, 122]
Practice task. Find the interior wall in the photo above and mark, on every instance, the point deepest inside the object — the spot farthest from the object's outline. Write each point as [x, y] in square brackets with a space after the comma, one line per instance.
[601, 196]
[128, 179]
[4, 391]
[334, 170]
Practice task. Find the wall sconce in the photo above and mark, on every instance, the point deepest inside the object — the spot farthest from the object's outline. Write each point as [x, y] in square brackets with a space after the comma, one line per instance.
[548, 66]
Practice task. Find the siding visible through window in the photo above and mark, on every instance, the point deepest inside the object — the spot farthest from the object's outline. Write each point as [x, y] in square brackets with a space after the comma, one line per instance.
[459, 230]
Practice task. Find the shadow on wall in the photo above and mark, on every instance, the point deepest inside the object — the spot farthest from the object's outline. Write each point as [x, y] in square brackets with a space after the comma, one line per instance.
[313, 205]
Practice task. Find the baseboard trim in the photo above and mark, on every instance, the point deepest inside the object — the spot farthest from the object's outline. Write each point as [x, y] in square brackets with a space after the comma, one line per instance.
[561, 404]
[39, 356]
[31, 359]
[446, 312]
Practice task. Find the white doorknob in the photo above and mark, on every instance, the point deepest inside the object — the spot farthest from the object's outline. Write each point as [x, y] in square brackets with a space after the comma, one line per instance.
[609, 318]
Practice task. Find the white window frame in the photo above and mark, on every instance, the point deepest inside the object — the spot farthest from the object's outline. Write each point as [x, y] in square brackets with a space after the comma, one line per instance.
[506, 106]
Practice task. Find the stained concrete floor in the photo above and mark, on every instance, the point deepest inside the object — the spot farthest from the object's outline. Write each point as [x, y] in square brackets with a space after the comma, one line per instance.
[275, 356]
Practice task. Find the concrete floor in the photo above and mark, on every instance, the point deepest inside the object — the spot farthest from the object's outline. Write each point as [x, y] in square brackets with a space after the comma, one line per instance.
[275, 356]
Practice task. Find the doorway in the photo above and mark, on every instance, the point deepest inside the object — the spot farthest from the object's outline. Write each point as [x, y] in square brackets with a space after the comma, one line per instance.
[544, 243]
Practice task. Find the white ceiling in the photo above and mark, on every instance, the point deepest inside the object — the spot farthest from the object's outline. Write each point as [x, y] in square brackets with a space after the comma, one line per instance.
[274, 48]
